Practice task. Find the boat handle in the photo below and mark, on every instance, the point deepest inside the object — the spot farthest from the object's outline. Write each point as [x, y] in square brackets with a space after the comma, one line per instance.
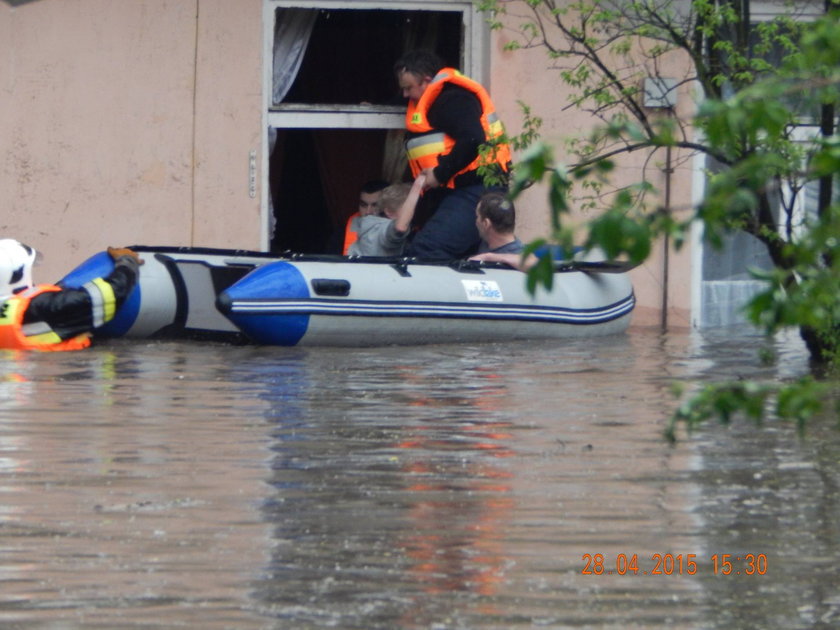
[330, 286]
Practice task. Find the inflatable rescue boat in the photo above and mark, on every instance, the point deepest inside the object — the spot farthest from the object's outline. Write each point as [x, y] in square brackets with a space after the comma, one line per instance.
[338, 301]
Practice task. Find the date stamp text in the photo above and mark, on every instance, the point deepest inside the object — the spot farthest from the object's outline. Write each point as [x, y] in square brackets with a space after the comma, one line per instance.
[674, 564]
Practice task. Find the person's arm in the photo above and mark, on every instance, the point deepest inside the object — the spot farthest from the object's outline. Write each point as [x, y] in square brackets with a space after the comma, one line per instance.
[457, 113]
[70, 312]
[511, 260]
[406, 211]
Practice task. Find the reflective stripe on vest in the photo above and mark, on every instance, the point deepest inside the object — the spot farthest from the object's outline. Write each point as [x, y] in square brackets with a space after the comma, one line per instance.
[495, 125]
[103, 301]
[37, 335]
[426, 145]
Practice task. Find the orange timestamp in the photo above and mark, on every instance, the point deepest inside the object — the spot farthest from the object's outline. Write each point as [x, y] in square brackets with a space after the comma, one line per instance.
[673, 564]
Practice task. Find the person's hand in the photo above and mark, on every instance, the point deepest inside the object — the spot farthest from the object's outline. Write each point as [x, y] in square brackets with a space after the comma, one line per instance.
[511, 260]
[118, 252]
[488, 257]
[420, 182]
[431, 180]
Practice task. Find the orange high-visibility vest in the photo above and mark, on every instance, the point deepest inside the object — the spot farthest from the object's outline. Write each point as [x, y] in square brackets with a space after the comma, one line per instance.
[425, 148]
[350, 235]
[38, 336]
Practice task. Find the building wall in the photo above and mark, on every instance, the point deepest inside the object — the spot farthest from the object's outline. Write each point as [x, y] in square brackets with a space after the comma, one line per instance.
[136, 122]
[128, 122]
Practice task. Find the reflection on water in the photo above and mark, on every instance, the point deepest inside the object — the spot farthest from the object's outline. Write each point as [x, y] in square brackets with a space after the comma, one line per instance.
[160, 485]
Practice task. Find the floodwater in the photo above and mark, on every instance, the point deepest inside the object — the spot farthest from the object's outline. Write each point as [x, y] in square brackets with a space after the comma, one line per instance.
[202, 485]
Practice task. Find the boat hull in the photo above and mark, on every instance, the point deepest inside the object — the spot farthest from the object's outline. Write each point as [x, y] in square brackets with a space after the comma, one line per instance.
[254, 297]
[356, 303]
[175, 295]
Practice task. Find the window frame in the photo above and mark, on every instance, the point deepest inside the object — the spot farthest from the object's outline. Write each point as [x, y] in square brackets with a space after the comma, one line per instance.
[701, 311]
[335, 116]
[475, 54]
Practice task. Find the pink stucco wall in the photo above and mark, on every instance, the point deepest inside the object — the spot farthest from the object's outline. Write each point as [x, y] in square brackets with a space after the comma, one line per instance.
[133, 122]
[126, 121]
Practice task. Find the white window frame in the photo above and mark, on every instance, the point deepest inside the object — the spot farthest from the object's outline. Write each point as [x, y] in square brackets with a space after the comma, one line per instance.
[296, 115]
[766, 10]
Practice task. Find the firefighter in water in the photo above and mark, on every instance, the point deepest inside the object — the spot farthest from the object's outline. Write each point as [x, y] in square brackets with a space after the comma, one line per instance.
[50, 317]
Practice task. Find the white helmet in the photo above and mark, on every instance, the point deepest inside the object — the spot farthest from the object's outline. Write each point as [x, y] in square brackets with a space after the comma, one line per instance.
[16, 260]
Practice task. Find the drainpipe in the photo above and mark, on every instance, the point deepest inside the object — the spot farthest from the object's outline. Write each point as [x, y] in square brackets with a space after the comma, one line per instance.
[194, 166]
[669, 171]
[660, 93]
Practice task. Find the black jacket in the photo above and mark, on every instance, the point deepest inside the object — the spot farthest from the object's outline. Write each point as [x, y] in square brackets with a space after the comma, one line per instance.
[69, 312]
[457, 112]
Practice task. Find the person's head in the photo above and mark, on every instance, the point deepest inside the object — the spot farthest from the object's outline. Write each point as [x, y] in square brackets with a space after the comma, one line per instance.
[392, 198]
[16, 260]
[370, 196]
[415, 70]
[495, 212]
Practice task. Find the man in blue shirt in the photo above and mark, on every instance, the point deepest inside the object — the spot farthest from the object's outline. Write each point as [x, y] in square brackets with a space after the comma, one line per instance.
[495, 218]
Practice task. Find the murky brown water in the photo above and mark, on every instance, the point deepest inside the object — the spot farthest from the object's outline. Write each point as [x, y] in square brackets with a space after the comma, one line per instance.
[167, 485]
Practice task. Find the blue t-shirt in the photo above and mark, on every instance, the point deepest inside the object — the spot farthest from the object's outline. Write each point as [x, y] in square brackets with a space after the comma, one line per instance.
[514, 247]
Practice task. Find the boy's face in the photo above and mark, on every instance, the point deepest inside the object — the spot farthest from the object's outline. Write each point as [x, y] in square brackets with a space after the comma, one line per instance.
[369, 203]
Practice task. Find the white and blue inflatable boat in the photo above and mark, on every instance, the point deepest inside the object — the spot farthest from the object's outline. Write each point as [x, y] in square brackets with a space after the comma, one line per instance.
[338, 301]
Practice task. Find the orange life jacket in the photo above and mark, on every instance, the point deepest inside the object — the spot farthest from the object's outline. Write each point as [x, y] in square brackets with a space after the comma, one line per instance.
[428, 145]
[39, 336]
[350, 235]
